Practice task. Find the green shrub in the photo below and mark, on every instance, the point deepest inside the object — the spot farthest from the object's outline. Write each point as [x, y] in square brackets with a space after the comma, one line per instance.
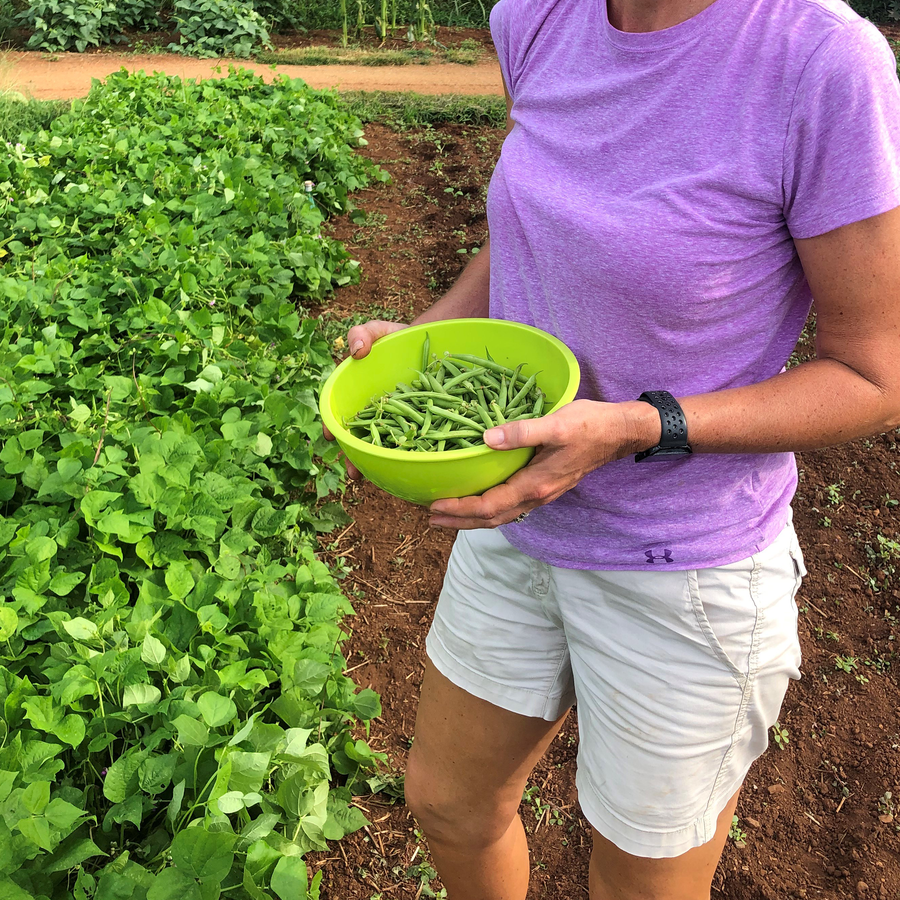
[69, 24]
[219, 27]
[137, 15]
[877, 10]
[7, 18]
[280, 15]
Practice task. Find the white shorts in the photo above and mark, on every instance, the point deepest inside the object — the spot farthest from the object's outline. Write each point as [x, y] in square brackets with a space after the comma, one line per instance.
[678, 675]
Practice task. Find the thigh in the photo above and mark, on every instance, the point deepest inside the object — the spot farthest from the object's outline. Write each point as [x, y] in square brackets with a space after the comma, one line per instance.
[470, 760]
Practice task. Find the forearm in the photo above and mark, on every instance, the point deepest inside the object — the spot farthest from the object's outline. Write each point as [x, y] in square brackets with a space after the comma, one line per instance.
[817, 404]
[469, 296]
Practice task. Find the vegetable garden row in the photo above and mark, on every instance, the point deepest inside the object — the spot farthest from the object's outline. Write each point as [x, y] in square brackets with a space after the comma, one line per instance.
[174, 722]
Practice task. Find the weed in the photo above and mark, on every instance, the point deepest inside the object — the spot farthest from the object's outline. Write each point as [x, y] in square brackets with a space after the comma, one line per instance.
[835, 497]
[737, 834]
[886, 807]
[846, 663]
[781, 736]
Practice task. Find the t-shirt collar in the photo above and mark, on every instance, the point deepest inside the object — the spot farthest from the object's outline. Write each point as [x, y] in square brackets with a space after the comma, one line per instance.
[667, 37]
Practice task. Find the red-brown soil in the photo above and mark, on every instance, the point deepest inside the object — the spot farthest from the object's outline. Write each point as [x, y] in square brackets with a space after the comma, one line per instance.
[815, 813]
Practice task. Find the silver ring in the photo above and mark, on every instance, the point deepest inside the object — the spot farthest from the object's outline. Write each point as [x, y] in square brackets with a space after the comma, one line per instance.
[521, 517]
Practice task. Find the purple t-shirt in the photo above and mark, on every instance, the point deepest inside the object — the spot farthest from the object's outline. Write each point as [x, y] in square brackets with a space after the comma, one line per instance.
[643, 210]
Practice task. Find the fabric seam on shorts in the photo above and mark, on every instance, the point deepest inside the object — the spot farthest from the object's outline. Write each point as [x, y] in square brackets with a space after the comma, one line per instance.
[693, 582]
[749, 682]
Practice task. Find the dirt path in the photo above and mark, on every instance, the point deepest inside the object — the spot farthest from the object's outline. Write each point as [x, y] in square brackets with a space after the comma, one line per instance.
[68, 75]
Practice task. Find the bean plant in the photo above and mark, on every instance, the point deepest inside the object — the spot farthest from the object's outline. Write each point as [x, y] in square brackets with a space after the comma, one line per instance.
[174, 717]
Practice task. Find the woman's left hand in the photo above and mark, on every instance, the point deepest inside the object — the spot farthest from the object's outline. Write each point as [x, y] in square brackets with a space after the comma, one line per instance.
[571, 442]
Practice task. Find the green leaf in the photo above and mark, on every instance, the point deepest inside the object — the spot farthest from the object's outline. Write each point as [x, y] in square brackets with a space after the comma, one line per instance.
[179, 580]
[37, 830]
[82, 629]
[153, 651]
[40, 548]
[367, 704]
[63, 815]
[70, 854]
[43, 713]
[36, 797]
[68, 468]
[191, 733]
[9, 622]
[230, 802]
[289, 878]
[9, 890]
[263, 445]
[204, 855]
[216, 709]
[71, 730]
[63, 583]
[173, 884]
[121, 777]
[157, 771]
[140, 695]
[174, 807]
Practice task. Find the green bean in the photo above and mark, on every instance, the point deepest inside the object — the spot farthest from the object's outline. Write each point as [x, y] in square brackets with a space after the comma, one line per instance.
[450, 367]
[498, 413]
[461, 378]
[482, 413]
[376, 437]
[488, 364]
[501, 402]
[446, 428]
[404, 409]
[523, 391]
[426, 424]
[455, 417]
[426, 351]
[538, 404]
[454, 434]
[428, 395]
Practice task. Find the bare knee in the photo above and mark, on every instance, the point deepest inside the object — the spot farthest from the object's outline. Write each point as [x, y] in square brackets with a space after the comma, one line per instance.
[450, 812]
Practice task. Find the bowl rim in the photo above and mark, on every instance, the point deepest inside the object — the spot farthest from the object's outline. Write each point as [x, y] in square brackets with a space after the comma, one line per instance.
[343, 436]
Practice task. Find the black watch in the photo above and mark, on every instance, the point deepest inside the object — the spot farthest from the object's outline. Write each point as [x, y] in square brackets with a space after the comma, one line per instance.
[673, 439]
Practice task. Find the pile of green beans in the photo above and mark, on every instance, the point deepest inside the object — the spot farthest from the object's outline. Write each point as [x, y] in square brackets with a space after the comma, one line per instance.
[452, 401]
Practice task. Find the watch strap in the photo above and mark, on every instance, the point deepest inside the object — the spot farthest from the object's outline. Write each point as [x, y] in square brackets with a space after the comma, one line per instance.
[673, 440]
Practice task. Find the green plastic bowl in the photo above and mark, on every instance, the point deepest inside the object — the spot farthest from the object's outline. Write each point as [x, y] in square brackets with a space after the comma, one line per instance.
[424, 477]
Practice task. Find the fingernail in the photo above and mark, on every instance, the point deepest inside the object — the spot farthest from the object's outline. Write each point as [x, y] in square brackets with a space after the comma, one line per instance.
[495, 436]
[355, 347]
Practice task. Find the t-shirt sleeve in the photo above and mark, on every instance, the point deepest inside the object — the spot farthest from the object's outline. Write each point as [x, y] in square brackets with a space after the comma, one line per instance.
[842, 153]
[515, 26]
[499, 20]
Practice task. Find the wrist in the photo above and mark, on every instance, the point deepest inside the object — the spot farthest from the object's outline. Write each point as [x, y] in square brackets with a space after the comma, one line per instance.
[641, 427]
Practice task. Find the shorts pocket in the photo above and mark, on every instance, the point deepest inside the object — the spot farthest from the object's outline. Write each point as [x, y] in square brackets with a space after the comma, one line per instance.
[727, 614]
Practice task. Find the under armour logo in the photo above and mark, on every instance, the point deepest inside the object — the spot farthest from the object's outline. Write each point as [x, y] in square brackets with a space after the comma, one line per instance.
[666, 555]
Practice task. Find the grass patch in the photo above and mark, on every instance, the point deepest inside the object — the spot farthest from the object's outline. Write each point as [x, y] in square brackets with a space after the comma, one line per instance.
[18, 115]
[354, 56]
[410, 110]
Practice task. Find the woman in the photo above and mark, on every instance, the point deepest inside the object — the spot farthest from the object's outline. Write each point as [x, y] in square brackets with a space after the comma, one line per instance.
[680, 179]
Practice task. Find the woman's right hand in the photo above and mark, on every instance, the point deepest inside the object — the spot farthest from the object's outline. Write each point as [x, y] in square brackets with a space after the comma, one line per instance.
[360, 339]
